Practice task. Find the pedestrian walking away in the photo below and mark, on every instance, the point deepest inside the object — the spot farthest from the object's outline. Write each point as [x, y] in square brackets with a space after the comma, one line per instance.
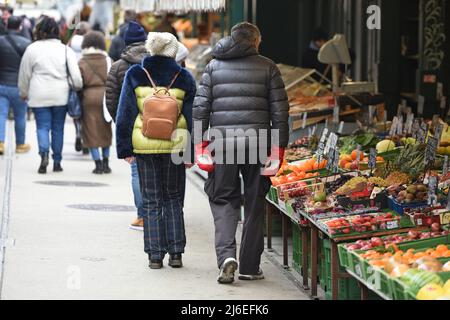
[12, 48]
[135, 51]
[43, 81]
[75, 43]
[239, 89]
[159, 175]
[96, 131]
[118, 42]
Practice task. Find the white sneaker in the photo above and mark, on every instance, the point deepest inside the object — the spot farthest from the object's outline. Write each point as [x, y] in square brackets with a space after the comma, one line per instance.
[257, 276]
[226, 274]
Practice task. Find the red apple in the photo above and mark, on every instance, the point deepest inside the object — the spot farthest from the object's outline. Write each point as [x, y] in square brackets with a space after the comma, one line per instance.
[376, 242]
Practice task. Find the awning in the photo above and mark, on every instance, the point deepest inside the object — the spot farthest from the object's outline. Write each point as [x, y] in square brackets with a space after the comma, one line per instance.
[173, 5]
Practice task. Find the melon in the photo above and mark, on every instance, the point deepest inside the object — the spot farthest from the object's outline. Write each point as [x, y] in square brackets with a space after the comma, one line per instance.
[430, 291]
[385, 145]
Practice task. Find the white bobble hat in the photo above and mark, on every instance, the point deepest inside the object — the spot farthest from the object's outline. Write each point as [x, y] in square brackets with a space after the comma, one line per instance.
[182, 53]
[162, 44]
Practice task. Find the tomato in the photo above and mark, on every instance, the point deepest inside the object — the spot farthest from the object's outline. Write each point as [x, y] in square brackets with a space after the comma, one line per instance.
[346, 230]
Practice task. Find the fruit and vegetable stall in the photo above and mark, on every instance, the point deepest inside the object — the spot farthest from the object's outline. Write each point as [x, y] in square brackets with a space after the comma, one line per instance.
[369, 212]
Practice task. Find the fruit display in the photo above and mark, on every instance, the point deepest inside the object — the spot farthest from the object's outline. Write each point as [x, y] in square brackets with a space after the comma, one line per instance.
[388, 241]
[296, 153]
[397, 178]
[350, 143]
[385, 145]
[356, 184]
[334, 185]
[412, 193]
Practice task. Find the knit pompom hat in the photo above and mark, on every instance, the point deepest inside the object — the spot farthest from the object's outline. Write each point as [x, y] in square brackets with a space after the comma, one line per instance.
[162, 44]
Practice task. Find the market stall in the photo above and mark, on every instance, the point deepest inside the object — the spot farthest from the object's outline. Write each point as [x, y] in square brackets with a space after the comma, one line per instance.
[367, 210]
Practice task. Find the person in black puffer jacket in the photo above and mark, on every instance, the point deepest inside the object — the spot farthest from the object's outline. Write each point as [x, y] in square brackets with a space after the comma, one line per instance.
[12, 48]
[135, 51]
[239, 90]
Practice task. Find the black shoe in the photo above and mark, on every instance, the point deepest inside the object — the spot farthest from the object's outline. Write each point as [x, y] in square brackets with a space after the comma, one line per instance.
[106, 168]
[44, 163]
[57, 167]
[78, 146]
[175, 260]
[85, 151]
[155, 264]
[98, 167]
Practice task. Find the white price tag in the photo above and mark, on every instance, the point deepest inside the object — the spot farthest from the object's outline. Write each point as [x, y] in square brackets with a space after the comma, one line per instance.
[443, 102]
[305, 116]
[420, 104]
[341, 127]
[392, 224]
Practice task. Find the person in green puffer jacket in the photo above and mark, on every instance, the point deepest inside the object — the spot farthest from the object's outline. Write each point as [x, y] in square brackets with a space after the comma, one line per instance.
[159, 176]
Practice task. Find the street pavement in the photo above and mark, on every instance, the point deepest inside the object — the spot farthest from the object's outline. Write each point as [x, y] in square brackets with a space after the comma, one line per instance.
[57, 247]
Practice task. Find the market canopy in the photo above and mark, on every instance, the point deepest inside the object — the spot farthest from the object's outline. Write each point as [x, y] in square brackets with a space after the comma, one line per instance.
[173, 5]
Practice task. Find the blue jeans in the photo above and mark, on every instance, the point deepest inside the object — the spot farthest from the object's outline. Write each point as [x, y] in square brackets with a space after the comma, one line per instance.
[95, 153]
[51, 119]
[136, 189]
[9, 97]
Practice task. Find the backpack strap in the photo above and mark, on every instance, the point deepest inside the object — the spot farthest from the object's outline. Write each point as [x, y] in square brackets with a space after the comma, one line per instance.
[150, 78]
[153, 83]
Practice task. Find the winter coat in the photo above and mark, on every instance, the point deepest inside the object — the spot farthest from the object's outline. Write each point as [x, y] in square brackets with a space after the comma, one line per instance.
[11, 58]
[75, 44]
[96, 132]
[241, 90]
[43, 78]
[136, 88]
[118, 43]
[133, 54]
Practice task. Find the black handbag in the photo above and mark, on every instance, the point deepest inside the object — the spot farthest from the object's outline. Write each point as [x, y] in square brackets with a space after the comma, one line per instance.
[73, 103]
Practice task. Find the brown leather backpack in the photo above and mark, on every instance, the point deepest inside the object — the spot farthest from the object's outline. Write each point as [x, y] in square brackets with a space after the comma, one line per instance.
[160, 112]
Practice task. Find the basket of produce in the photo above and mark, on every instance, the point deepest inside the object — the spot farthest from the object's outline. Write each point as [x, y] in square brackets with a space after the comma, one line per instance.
[424, 216]
[409, 197]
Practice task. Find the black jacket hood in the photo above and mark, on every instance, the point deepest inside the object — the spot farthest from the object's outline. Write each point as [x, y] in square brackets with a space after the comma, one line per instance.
[230, 48]
[134, 53]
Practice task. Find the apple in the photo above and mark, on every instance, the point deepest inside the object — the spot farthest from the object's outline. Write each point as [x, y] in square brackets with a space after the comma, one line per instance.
[367, 247]
[413, 234]
[425, 235]
[436, 234]
[435, 227]
[376, 242]
[445, 232]
[354, 247]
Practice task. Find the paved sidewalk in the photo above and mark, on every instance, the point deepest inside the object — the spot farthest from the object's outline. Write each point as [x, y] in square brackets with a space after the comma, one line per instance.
[55, 251]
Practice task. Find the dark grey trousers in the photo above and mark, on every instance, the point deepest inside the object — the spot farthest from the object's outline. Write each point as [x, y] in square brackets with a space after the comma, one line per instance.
[224, 191]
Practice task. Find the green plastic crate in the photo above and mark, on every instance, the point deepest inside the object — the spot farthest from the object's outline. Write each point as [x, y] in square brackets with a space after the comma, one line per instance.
[343, 255]
[297, 254]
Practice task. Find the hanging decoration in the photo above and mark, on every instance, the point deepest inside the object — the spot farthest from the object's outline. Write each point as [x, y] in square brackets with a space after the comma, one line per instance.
[174, 5]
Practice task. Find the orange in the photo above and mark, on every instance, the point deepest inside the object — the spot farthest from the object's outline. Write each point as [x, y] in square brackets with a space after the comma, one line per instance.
[323, 164]
[429, 251]
[435, 254]
[419, 255]
[354, 153]
[343, 163]
[380, 159]
[441, 248]
[446, 254]
[316, 166]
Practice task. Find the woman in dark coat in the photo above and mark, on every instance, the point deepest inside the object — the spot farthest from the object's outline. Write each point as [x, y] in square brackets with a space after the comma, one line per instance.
[96, 131]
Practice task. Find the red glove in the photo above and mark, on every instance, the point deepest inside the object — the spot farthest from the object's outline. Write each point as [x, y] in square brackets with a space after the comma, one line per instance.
[203, 157]
[274, 161]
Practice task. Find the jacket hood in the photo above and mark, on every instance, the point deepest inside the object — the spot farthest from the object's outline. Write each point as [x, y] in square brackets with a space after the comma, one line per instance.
[134, 53]
[229, 48]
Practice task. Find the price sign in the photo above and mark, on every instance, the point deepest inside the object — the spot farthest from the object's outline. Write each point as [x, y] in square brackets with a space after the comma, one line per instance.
[331, 143]
[430, 151]
[422, 133]
[305, 116]
[400, 126]
[392, 225]
[341, 127]
[415, 129]
[432, 184]
[336, 114]
[445, 165]
[393, 126]
[324, 135]
[438, 131]
[333, 161]
[372, 158]
[420, 104]
[409, 123]
[439, 91]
